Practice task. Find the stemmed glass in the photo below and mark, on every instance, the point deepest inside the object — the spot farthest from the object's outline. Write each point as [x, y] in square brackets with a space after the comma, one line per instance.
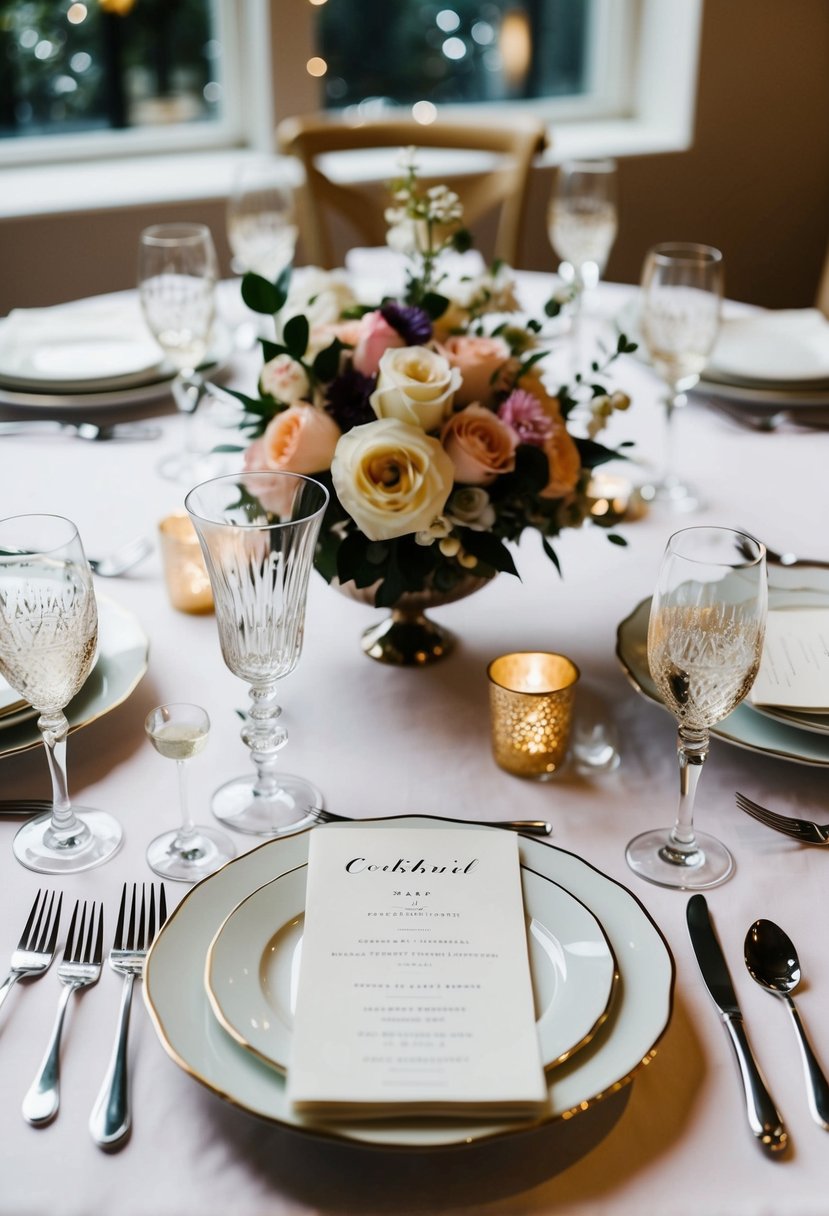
[261, 228]
[581, 224]
[48, 640]
[682, 287]
[177, 272]
[258, 532]
[187, 853]
[705, 640]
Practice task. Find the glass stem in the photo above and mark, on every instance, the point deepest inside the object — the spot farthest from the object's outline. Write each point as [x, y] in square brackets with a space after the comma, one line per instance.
[187, 826]
[265, 737]
[65, 828]
[692, 748]
[672, 402]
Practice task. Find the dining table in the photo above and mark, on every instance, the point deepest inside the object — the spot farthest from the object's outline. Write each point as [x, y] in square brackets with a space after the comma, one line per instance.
[379, 740]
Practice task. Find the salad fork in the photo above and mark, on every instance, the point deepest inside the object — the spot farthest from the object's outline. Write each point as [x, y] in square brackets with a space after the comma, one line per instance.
[799, 829]
[122, 559]
[79, 968]
[36, 947]
[110, 1120]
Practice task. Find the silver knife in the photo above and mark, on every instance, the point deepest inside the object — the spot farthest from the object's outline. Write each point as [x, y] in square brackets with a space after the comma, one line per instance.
[763, 1118]
[81, 430]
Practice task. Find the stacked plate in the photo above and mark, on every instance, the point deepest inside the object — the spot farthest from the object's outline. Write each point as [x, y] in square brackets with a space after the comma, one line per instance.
[787, 732]
[771, 358]
[220, 983]
[85, 355]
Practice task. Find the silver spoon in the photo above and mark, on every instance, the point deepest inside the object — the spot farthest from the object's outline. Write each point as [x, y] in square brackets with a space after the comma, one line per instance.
[772, 961]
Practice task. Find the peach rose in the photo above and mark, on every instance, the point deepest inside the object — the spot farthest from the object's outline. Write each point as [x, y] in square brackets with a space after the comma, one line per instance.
[392, 478]
[479, 360]
[322, 336]
[480, 445]
[375, 337]
[416, 385]
[301, 439]
[564, 461]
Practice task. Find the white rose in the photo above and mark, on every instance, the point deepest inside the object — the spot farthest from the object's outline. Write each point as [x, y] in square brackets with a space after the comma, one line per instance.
[320, 295]
[285, 379]
[416, 385]
[392, 478]
[470, 508]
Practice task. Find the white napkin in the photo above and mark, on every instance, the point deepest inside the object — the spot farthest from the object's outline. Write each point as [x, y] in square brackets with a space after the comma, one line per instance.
[789, 345]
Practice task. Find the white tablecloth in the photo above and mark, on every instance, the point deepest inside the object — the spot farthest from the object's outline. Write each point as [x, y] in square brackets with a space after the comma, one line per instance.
[380, 740]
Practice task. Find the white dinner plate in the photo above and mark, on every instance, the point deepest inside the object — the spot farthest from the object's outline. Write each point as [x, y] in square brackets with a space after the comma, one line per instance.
[778, 346]
[121, 662]
[760, 730]
[82, 365]
[175, 996]
[253, 967]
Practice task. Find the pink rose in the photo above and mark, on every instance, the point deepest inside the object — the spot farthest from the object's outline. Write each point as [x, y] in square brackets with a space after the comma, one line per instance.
[299, 440]
[480, 445]
[376, 336]
[479, 360]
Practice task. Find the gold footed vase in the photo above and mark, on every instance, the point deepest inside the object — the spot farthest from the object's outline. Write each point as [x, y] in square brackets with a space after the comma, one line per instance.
[408, 638]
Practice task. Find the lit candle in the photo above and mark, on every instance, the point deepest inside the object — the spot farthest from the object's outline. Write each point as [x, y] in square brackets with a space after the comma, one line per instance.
[531, 704]
[185, 573]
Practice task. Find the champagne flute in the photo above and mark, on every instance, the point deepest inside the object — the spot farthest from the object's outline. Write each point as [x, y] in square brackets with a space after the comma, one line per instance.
[258, 532]
[177, 272]
[189, 852]
[261, 228]
[48, 640]
[705, 641]
[682, 287]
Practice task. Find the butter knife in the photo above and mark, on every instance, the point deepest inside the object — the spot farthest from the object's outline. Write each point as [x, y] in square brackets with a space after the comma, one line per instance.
[128, 431]
[763, 1118]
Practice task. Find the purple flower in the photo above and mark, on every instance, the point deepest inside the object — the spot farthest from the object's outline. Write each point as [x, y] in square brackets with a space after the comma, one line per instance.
[413, 324]
[347, 399]
[525, 414]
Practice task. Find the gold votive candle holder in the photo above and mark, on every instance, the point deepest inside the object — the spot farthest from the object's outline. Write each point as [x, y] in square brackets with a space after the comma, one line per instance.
[188, 583]
[531, 695]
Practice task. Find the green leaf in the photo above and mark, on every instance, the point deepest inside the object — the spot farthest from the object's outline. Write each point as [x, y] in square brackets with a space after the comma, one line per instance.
[327, 363]
[462, 240]
[552, 308]
[616, 539]
[593, 454]
[434, 305]
[295, 336]
[227, 447]
[262, 296]
[551, 553]
[488, 548]
[271, 349]
[350, 555]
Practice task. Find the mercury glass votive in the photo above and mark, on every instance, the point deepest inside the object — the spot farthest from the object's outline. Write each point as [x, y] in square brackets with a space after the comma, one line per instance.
[188, 583]
[531, 696]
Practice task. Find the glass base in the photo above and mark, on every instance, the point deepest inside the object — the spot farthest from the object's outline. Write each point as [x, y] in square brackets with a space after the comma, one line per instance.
[206, 851]
[102, 841]
[671, 495]
[289, 809]
[652, 856]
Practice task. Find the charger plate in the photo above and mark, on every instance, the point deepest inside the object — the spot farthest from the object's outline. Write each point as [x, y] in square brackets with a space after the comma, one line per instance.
[178, 1005]
[253, 966]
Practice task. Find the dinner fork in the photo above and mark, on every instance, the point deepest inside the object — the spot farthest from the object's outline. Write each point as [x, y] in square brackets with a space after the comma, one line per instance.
[799, 829]
[533, 827]
[79, 968]
[122, 559]
[36, 947]
[110, 1120]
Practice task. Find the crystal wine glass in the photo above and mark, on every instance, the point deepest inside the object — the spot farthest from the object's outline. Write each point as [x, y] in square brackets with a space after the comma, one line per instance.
[177, 272]
[705, 640]
[48, 640]
[682, 287]
[189, 852]
[258, 532]
[261, 228]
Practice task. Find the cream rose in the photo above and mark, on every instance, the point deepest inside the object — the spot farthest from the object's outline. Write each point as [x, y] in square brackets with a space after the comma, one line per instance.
[479, 360]
[284, 379]
[391, 477]
[301, 439]
[480, 446]
[320, 295]
[415, 385]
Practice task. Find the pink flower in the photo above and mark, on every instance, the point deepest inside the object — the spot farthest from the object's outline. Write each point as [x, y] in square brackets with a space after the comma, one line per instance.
[375, 337]
[527, 417]
[299, 440]
[480, 445]
[479, 360]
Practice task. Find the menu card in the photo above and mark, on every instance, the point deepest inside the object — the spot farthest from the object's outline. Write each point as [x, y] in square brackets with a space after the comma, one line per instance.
[414, 991]
[794, 670]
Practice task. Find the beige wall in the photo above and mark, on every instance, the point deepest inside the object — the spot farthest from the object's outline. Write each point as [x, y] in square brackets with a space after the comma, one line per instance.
[755, 183]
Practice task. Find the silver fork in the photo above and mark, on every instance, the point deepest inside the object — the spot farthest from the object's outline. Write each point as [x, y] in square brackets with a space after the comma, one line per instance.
[110, 1120]
[122, 559]
[799, 829]
[533, 827]
[79, 968]
[36, 947]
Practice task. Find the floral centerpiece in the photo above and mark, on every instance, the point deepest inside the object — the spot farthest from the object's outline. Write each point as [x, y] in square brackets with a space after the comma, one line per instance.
[426, 417]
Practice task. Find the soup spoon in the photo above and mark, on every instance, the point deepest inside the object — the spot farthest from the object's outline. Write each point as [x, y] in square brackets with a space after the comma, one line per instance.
[772, 961]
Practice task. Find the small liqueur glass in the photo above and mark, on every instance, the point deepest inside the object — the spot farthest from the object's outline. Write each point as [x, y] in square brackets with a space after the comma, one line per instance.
[191, 851]
[258, 532]
[48, 642]
[705, 641]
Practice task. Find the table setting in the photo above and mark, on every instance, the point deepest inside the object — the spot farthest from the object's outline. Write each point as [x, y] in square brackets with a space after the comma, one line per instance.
[403, 941]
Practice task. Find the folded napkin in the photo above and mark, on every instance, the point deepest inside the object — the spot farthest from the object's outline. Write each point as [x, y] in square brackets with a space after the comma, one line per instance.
[789, 345]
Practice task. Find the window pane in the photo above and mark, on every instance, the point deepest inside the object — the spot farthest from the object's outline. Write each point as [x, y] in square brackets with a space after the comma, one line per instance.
[106, 64]
[452, 51]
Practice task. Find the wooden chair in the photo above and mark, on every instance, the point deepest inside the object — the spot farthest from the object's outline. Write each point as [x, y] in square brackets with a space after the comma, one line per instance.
[503, 185]
[822, 300]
